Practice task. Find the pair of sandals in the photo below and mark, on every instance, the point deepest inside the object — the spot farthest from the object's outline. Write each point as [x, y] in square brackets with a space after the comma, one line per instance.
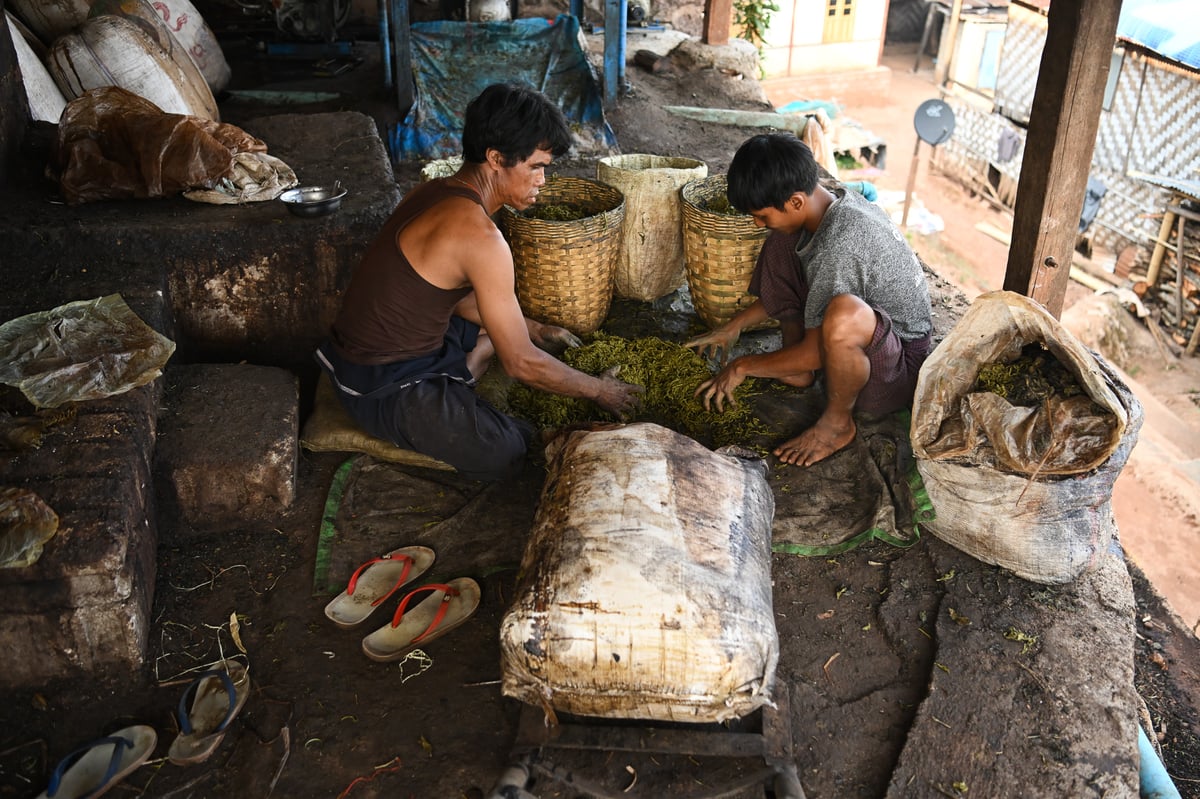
[216, 695]
[444, 606]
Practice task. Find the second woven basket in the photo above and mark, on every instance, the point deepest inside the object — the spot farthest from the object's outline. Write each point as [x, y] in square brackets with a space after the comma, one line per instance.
[720, 248]
[565, 269]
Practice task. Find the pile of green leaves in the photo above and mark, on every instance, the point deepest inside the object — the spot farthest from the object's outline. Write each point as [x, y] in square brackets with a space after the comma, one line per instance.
[670, 374]
[721, 205]
[1029, 380]
[552, 212]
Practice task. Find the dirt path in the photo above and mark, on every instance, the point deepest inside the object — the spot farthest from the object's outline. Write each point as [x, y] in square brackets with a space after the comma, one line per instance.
[1155, 500]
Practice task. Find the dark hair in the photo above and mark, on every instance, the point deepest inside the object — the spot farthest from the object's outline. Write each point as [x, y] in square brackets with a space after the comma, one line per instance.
[768, 169]
[515, 121]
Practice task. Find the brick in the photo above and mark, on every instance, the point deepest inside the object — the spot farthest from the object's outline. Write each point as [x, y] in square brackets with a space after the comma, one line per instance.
[227, 445]
[84, 606]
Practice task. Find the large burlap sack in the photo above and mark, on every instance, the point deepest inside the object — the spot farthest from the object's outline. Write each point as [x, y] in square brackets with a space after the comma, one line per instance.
[650, 263]
[1025, 488]
[645, 588]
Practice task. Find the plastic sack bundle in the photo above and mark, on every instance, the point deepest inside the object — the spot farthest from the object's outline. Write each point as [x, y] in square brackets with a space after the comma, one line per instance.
[26, 524]
[1028, 488]
[646, 587]
[83, 350]
[113, 144]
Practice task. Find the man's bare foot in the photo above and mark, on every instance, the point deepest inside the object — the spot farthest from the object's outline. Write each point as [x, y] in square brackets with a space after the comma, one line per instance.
[816, 443]
[799, 380]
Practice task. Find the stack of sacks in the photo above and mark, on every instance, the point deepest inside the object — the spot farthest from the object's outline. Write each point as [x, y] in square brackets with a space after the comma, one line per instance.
[164, 53]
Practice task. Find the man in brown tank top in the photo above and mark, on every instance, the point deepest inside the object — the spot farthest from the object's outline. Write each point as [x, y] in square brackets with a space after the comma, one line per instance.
[433, 300]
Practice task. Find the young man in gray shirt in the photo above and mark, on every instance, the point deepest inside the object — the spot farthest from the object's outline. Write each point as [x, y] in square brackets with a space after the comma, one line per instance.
[849, 293]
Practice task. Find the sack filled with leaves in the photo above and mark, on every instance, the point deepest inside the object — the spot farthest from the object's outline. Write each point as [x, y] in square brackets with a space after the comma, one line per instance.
[1019, 433]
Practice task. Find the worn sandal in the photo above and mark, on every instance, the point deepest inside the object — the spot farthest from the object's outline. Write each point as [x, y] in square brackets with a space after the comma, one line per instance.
[92, 769]
[376, 580]
[217, 697]
[447, 607]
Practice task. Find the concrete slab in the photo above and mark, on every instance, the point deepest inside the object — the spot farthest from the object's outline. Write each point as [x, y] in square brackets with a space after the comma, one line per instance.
[227, 444]
[84, 606]
[250, 282]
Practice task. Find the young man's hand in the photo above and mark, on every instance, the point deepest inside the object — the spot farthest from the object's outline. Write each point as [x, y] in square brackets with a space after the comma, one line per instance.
[719, 389]
[715, 344]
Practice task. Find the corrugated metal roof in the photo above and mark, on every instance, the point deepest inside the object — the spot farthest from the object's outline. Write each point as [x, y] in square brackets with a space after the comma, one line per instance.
[1189, 187]
[1168, 27]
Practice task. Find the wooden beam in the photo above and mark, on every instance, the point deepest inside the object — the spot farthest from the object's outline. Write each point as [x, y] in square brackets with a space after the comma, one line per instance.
[1058, 148]
[402, 53]
[718, 18]
[946, 53]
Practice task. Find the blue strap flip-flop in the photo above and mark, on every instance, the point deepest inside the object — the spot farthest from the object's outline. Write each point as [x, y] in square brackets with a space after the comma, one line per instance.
[217, 696]
[93, 768]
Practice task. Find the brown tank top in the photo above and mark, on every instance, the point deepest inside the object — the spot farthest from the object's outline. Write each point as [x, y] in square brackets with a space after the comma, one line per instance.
[389, 312]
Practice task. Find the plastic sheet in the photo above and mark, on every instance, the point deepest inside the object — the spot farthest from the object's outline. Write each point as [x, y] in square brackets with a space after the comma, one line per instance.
[950, 420]
[113, 144]
[83, 350]
[26, 524]
[454, 61]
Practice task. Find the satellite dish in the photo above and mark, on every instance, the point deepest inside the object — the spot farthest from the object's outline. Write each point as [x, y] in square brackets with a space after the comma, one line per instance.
[934, 122]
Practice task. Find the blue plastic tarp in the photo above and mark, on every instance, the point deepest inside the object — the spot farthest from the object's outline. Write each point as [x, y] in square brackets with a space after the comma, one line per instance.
[454, 61]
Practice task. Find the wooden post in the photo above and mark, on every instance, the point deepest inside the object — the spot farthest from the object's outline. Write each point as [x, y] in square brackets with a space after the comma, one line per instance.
[912, 181]
[614, 48]
[718, 17]
[402, 52]
[1058, 149]
[1161, 245]
[949, 41]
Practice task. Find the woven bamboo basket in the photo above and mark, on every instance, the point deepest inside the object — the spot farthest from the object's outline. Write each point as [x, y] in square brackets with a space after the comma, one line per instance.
[719, 251]
[565, 269]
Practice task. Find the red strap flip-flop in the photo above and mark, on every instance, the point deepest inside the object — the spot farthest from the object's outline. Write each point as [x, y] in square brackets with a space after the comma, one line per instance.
[376, 580]
[447, 606]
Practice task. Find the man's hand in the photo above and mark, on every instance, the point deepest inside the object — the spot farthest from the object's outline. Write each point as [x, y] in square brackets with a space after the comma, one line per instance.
[554, 340]
[719, 389]
[616, 396]
[716, 344]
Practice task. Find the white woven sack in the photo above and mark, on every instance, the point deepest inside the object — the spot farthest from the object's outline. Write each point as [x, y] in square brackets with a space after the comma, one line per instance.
[49, 19]
[46, 102]
[646, 582]
[651, 262]
[150, 19]
[1048, 522]
[193, 33]
[112, 51]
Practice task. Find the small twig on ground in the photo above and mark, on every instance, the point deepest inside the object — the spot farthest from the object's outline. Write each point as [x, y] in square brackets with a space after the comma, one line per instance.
[828, 663]
[41, 742]
[286, 736]
[395, 764]
[215, 574]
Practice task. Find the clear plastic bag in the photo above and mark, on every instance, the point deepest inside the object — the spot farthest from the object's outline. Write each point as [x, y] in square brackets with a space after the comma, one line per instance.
[83, 350]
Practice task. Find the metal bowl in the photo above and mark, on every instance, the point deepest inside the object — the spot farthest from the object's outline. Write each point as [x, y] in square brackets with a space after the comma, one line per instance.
[313, 200]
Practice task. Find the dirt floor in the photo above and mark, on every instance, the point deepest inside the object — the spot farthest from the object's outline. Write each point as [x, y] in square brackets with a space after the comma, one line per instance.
[323, 721]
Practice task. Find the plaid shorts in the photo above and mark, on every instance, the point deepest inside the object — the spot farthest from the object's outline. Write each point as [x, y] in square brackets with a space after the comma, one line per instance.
[895, 364]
